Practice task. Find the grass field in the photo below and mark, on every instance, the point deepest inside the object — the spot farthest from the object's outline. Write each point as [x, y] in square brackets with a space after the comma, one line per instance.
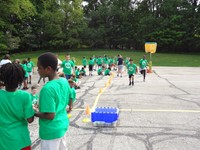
[159, 59]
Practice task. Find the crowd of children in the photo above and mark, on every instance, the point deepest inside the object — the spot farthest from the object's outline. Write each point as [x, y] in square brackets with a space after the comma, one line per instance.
[55, 99]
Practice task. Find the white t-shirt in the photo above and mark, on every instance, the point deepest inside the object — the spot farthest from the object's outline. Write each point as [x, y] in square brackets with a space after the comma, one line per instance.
[4, 61]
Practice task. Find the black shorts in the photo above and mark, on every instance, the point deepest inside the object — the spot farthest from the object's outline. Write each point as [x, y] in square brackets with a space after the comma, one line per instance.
[90, 67]
[130, 75]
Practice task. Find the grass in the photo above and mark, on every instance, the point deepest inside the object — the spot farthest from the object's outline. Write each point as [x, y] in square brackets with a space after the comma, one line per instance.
[158, 59]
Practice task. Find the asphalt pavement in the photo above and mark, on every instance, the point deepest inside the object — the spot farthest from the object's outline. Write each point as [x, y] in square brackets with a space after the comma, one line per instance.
[162, 113]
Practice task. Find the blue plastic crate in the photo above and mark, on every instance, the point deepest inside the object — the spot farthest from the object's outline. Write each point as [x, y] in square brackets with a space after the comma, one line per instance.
[105, 114]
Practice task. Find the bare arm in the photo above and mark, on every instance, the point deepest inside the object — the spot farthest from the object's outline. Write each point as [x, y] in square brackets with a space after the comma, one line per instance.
[70, 106]
[48, 116]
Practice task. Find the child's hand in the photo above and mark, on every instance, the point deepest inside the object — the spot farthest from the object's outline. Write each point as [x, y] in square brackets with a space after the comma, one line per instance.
[35, 108]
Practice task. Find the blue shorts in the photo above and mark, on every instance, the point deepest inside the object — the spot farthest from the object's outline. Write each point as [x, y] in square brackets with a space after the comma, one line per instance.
[68, 76]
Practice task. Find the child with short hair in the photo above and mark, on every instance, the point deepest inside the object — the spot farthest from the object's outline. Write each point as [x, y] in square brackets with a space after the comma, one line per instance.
[68, 67]
[76, 81]
[53, 100]
[84, 62]
[73, 91]
[30, 69]
[77, 72]
[24, 62]
[34, 95]
[143, 67]
[107, 72]
[15, 109]
[82, 71]
[131, 71]
[91, 64]
[100, 70]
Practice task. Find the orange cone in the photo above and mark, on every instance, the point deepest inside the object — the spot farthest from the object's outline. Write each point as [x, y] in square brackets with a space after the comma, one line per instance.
[87, 110]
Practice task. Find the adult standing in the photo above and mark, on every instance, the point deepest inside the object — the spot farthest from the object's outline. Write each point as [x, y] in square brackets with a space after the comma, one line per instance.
[143, 67]
[5, 60]
[68, 67]
[120, 62]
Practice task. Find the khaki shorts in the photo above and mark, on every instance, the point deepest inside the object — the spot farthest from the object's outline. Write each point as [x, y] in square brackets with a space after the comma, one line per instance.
[56, 144]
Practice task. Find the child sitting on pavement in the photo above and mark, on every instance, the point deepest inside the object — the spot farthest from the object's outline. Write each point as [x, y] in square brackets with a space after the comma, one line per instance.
[100, 70]
[82, 72]
[107, 72]
[76, 81]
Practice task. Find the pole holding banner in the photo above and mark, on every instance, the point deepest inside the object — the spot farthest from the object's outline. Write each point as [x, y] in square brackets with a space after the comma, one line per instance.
[150, 47]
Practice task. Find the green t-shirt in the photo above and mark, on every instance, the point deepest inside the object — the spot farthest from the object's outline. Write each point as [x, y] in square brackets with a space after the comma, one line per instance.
[99, 71]
[77, 73]
[67, 67]
[75, 80]
[91, 62]
[111, 61]
[84, 62]
[131, 68]
[94, 60]
[30, 66]
[73, 95]
[83, 71]
[25, 69]
[35, 98]
[15, 108]
[54, 98]
[105, 60]
[126, 62]
[143, 63]
[99, 61]
[107, 72]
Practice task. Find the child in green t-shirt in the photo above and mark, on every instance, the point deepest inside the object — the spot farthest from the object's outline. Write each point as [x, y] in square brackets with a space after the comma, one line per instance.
[30, 69]
[53, 100]
[34, 95]
[131, 71]
[84, 62]
[24, 62]
[15, 109]
[107, 72]
[82, 71]
[77, 72]
[73, 90]
[76, 81]
[91, 64]
[68, 67]
[143, 66]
